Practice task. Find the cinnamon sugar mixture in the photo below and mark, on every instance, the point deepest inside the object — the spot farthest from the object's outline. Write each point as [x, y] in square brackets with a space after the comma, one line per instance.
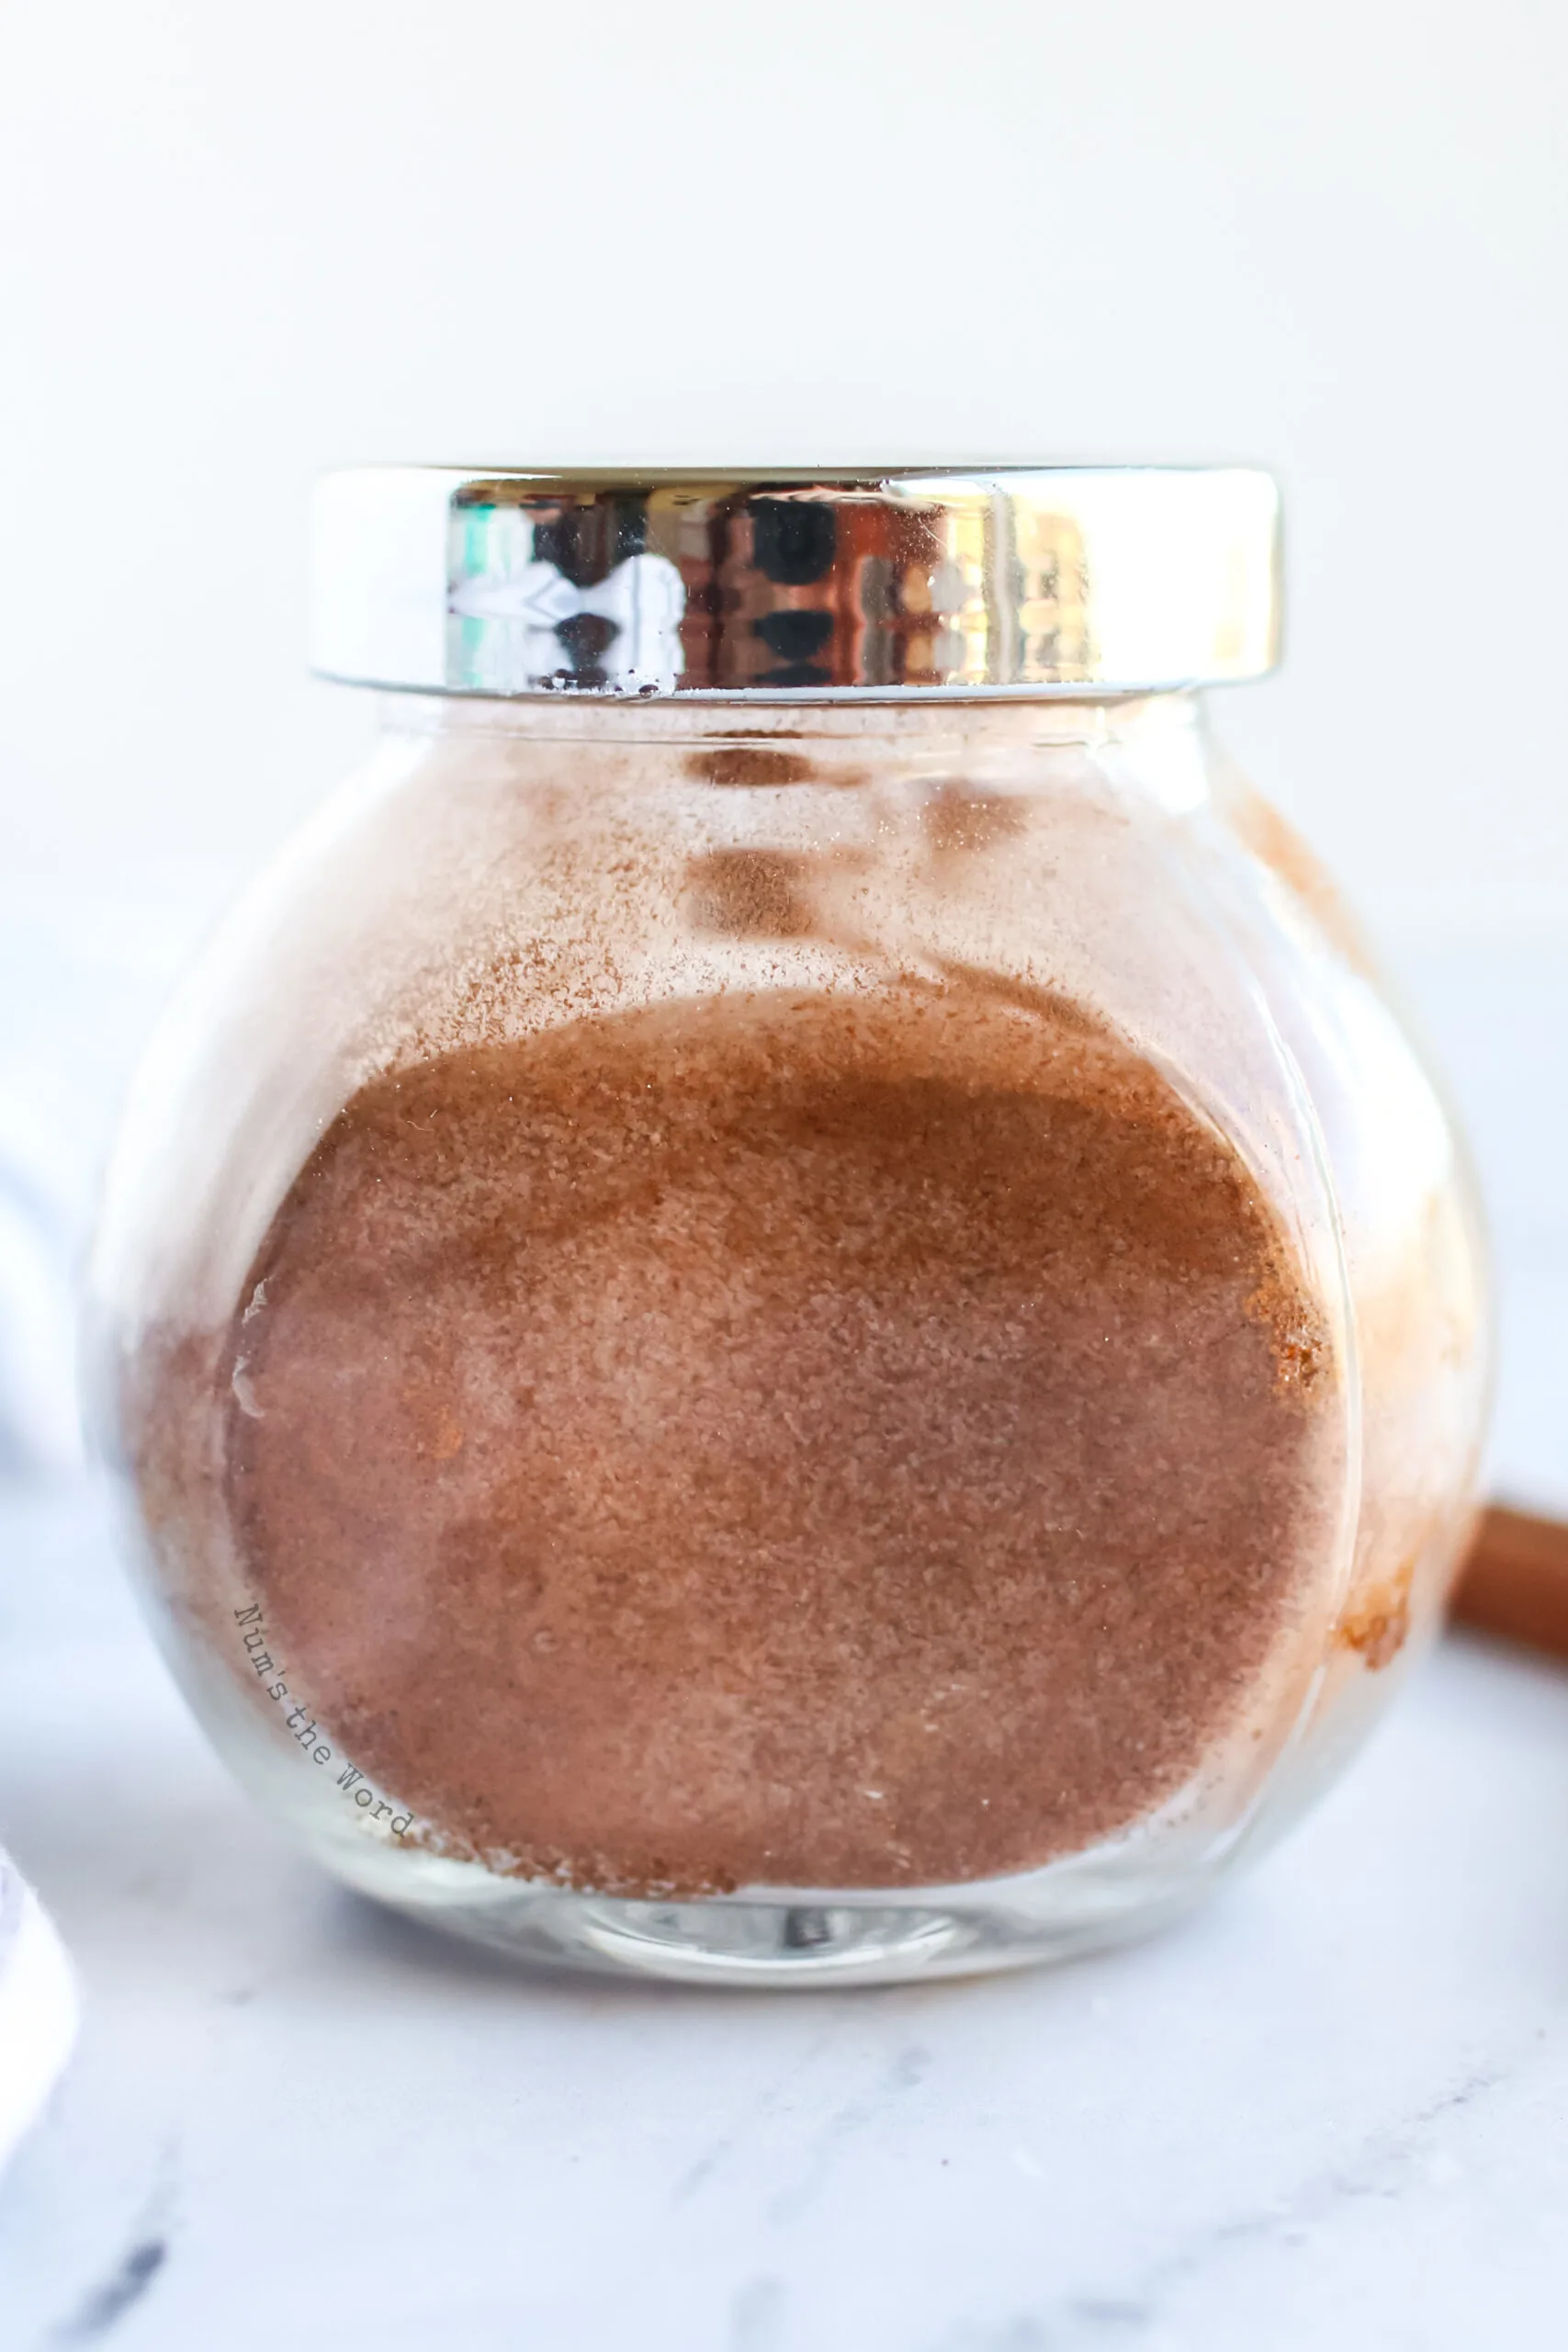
[834, 1440]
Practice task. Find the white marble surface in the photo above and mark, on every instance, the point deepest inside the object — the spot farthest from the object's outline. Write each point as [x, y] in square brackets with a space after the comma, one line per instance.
[1332, 2111]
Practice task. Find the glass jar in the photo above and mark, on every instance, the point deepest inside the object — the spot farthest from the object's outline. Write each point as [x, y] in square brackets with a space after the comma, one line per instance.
[786, 1307]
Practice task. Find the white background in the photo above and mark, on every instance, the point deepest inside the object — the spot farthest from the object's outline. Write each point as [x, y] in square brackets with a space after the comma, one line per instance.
[245, 244]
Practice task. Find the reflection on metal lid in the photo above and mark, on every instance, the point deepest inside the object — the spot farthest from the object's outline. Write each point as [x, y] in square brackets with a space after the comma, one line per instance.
[1028, 581]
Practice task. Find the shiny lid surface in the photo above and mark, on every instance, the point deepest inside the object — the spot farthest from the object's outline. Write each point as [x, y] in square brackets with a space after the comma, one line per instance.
[787, 585]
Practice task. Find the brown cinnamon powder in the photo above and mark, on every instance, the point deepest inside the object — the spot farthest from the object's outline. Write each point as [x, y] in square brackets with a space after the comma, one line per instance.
[811, 1440]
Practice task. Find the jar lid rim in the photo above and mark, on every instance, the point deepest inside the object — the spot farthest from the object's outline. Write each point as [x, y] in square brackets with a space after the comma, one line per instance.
[795, 583]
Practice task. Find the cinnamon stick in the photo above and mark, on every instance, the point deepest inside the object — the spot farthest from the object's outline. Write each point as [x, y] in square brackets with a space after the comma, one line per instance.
[1515, 1580]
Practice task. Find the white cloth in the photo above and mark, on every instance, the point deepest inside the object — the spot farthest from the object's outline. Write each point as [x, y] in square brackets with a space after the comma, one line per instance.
[38, 2008]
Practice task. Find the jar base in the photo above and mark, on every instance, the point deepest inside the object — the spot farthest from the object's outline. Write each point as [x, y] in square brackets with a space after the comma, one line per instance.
[772, 1943]
[793, 1941]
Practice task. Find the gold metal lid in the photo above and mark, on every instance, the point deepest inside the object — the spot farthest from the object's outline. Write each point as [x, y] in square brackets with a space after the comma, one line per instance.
[784, 585]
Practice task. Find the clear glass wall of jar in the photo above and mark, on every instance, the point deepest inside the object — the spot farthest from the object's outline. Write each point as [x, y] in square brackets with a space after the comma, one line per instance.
[789, 1330]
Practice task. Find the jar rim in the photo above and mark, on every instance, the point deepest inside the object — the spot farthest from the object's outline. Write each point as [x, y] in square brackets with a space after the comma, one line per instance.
[791, 585]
